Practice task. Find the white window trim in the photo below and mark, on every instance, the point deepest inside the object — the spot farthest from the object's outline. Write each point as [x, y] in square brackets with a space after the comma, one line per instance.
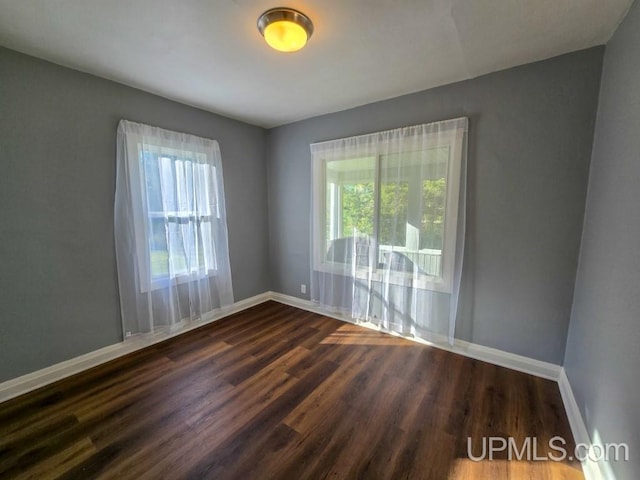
[133, 144]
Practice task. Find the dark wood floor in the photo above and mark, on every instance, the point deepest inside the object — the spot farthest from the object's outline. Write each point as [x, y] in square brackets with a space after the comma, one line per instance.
[276, 392]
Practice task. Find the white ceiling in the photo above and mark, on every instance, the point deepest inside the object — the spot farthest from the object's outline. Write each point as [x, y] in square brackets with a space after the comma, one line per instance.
[208, 53]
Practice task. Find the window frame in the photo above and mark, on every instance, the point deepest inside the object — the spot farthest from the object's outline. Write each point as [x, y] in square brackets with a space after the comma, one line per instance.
[454, 139]
[134, 146]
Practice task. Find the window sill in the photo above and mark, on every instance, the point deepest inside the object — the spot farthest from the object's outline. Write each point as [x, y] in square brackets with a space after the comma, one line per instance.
[404, 279]
[160, 283]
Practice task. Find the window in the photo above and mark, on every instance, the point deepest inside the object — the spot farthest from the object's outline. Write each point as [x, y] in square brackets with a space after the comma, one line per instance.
[178, 227]
[170, 229]
[178, 194]
[387, 206]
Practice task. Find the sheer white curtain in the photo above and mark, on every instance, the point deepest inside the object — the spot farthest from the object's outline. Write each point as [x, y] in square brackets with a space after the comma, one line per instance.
[170, 228]
[388, 227]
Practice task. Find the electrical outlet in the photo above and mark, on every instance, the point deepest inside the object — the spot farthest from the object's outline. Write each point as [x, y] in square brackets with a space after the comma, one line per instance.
[303, 288]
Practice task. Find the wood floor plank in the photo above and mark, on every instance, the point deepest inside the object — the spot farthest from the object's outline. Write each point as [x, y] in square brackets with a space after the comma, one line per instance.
[61, 462]
[276, 392]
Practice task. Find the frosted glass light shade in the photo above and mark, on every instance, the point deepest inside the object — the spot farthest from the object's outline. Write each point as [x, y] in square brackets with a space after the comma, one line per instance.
[285, 29]
[285, 36]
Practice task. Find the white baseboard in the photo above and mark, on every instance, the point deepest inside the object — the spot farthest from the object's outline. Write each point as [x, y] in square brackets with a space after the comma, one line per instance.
[547, 370]
[32, 381]
[578, 427]
[593, 470]
[479, 352]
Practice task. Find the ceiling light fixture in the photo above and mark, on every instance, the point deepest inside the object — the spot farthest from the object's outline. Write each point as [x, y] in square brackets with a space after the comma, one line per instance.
[285, 29]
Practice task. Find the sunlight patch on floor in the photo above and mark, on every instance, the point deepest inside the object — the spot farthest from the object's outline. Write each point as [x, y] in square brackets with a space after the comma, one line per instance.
[466, 469]
[355, 335]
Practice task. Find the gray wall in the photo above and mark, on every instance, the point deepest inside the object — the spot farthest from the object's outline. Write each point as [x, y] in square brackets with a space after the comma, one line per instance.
[531, 131]
[530, 144]
[603, 349]
[58, 290]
